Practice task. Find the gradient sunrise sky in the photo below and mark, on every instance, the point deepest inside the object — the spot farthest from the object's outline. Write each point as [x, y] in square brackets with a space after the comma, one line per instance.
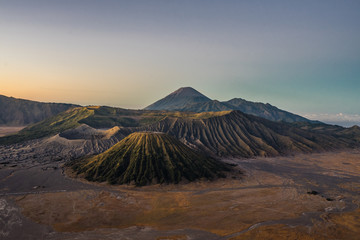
[301, 56]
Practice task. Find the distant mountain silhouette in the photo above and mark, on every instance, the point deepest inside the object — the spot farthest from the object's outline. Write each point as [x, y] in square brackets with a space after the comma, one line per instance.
[189, 100]
[17, 112]
[264, 110]
[179, 99]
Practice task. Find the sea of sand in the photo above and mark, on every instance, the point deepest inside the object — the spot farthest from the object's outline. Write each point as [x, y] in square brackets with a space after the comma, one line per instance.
[308, 196]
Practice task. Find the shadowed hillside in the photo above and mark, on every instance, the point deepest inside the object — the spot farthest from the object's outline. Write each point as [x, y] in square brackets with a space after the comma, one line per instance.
[264, 110]
[145, 158]
[19, 112]
[210, 106]
[333, 130]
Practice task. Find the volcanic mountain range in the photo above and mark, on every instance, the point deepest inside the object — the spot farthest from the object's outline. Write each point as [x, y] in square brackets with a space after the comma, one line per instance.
[176, 140]
[187, 99]
[19, 112]
[219, 133]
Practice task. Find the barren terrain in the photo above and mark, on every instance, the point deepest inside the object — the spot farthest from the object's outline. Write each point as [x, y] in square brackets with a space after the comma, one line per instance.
[9, 130]
[312, 196]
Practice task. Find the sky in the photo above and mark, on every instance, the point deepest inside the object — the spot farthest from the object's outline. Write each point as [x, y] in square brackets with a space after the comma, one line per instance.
[301, 56]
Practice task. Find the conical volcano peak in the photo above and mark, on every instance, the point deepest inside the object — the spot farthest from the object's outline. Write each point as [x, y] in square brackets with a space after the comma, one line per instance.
[188, 91]
[179, 99]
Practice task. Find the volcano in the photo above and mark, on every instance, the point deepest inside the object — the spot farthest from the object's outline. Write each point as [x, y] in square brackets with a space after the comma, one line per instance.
[149, 157]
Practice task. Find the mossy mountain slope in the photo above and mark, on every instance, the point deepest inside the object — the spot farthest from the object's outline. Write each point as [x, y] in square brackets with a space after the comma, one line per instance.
[222, 133]
[98, 117]
[148, 157]
[63, 121]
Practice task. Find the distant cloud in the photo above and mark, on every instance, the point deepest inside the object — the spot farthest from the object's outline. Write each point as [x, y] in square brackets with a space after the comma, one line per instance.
[342, 119]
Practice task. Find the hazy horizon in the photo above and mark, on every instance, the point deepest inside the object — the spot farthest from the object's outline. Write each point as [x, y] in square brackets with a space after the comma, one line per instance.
[303, 57]
[345, 120]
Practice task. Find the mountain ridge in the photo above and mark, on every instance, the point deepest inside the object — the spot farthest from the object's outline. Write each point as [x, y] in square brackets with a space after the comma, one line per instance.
[226, 133]
[265, 110]
[178, 102]
[20, 112]
[245, 135]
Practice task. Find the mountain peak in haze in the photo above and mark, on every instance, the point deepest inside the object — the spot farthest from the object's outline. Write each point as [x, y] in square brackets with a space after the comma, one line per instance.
[187, 91]
[179, 99]
[187, 99]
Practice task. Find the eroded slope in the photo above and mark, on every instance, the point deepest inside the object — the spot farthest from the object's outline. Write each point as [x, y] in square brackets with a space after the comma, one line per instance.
[148, 157]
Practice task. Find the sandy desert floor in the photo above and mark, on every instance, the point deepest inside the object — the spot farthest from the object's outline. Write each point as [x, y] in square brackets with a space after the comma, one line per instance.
[314, 196]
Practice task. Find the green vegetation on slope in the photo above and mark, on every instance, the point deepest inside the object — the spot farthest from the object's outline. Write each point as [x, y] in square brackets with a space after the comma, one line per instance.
[145, 158]
[107, 117]
[221, 133]
[51, 126]
[98, 117]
